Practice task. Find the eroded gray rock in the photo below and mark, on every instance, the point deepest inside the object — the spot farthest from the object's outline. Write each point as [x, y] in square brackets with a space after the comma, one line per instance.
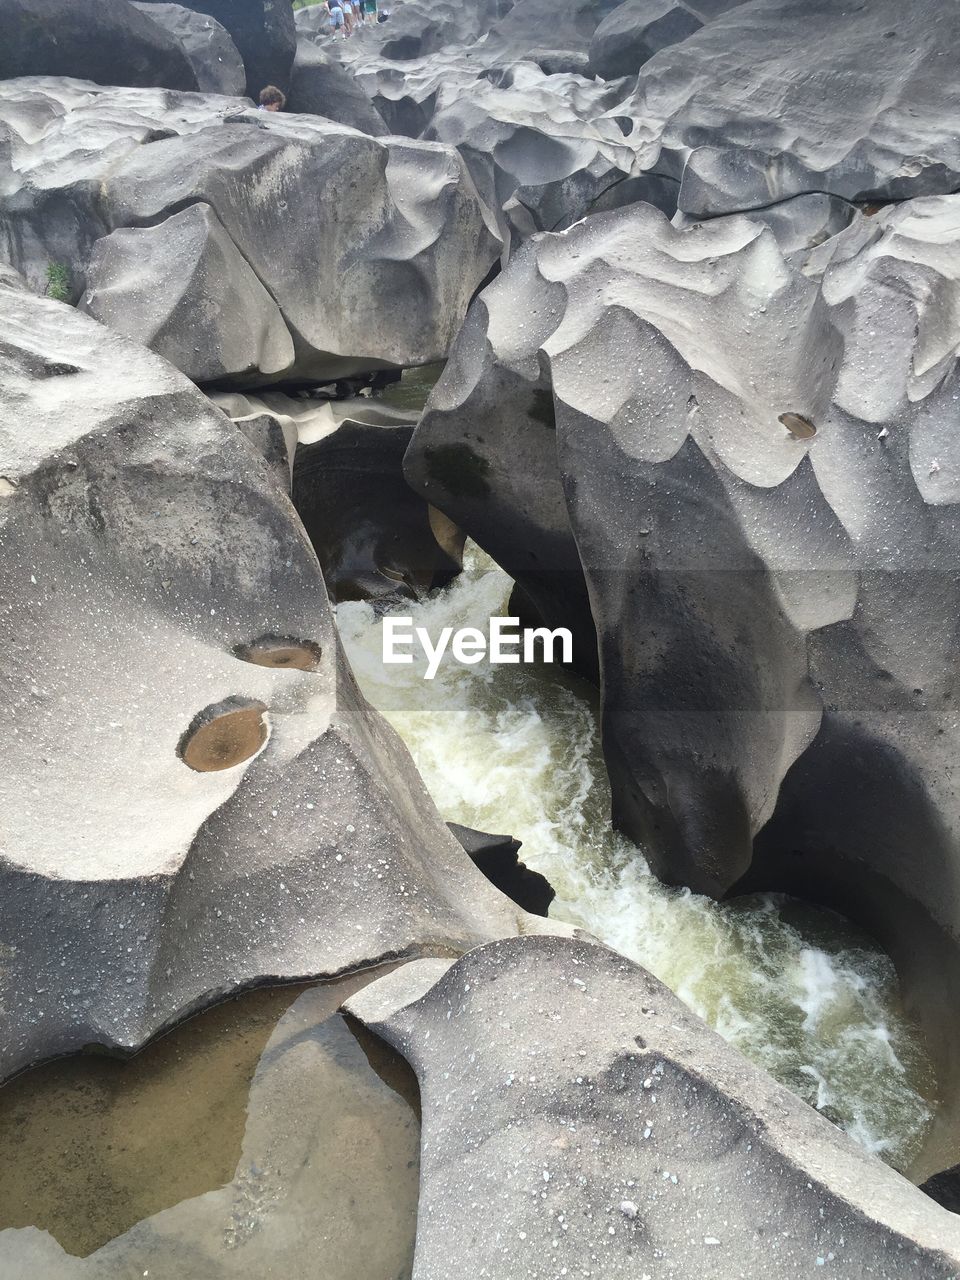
[635, 31]
[184, 289]
[109, 41]
[373, 535]
[748, 111]
[265, 33]
[755, 472]
[196, 796]
[578, 1120]
[539, 143]
[379, 278]
[213, 55]
[320, 86]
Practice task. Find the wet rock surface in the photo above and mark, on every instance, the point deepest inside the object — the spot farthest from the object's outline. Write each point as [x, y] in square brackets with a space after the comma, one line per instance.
[149, 559]
[195, 183]
[606, 1130]
[272, 1134]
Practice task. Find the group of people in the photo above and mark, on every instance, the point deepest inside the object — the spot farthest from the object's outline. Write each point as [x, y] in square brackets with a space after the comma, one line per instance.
[347, 15]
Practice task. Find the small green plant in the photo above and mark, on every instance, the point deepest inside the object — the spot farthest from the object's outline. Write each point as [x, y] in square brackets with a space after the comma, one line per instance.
[58, 282]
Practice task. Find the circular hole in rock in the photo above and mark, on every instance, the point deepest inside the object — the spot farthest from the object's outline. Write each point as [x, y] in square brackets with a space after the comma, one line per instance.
[224, 735]
[798, 425]
[281, 651]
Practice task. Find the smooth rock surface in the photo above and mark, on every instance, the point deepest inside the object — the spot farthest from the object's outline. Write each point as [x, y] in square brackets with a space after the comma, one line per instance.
[320, 86]
[381, 279]
[635, 31]
[212, 53]
[265, 33]
[780, 97]
[578, 1120]
[185, 290]
[756, 472]
[109, 41]
[162, 605]
[534, 142]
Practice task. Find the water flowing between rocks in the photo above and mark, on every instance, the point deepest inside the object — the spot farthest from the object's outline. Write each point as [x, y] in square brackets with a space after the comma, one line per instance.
[516, 749]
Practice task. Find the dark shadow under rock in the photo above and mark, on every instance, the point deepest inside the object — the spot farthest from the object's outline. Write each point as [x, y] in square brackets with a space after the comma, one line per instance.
[498, 857]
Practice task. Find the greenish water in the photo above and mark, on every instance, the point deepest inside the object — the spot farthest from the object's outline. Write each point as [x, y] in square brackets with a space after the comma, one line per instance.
[265, 1137]
[413, 388]
[517, 749]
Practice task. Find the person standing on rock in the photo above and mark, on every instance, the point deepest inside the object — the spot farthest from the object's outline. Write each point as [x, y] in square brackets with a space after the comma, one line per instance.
[370, 11]
[348, 15]
[272, 98]
[337, 22]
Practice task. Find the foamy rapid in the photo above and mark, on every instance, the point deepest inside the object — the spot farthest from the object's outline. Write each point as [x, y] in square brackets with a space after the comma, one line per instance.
[516, 749]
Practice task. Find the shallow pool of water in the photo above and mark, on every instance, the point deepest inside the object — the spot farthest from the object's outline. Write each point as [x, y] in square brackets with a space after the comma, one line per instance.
[517, 749]
[265, 1137]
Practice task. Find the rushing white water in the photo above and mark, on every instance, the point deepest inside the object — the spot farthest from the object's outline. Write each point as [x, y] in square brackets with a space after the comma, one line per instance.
[516, 749]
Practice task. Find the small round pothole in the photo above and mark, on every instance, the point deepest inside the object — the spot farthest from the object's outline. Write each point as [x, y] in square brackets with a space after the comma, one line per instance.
[224, 735]
[281, 651]
[798, 425]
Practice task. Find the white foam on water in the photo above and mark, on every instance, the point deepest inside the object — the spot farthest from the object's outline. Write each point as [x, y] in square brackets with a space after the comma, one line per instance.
[516, 750]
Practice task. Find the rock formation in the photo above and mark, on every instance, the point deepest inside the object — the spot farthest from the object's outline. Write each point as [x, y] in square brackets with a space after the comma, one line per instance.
[213, 55]
[138, 197]
[265, 33]
[750, 462]
[319, 86]
[748, 112]
[108, 41]
[706, 416]
[165, 619]
[498, 857]
[326, 1142]
[602, 1130]
[633, 32]
[373, 535]
[538, 147]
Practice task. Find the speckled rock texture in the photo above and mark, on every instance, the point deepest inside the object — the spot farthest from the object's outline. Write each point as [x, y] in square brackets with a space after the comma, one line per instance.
[779, 97]
[373, 535]
[212, 53]
[265, 33]
[180, 188]
[579, 1121]
[747, 470]
[109, 41]
[196, 796]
